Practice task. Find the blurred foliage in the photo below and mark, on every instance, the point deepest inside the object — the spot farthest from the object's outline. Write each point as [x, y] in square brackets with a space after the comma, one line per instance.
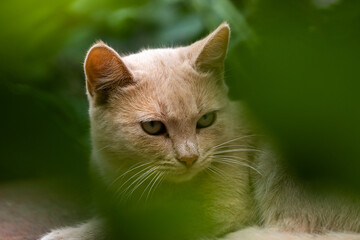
[302, 81]
[294, 62]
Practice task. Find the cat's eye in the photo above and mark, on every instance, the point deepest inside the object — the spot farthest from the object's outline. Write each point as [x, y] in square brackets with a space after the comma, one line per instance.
[153, 127]
[206, 120]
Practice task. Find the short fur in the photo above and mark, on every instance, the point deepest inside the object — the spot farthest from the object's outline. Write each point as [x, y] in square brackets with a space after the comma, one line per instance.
[237, 174]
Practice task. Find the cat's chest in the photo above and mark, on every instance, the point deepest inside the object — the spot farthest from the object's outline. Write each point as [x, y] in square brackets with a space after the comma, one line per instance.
[182, 211]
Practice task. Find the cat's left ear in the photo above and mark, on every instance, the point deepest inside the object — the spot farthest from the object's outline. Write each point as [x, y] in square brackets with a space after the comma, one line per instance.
[105, 71]
[209, 53]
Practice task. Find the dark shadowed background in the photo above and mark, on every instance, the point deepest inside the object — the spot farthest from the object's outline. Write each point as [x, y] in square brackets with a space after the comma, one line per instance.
[296, 64]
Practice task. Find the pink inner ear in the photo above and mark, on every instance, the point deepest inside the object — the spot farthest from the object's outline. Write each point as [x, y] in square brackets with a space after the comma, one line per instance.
[96, 62]
[105, 70]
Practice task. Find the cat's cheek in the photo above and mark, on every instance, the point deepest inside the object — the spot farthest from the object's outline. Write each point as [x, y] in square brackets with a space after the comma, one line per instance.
[209, 137]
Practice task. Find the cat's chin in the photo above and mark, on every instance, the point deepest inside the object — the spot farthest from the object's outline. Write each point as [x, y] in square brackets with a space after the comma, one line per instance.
[182, 177]
[179, 178]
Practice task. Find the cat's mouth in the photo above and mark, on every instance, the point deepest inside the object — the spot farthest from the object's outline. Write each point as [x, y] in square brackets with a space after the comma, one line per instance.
[182, 173]
[180, 177]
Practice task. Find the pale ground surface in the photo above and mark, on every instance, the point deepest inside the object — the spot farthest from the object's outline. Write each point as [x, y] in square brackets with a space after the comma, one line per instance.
[30, 208]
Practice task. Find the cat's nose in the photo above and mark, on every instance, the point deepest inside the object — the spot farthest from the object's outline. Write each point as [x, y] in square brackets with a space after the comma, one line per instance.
[188, 161]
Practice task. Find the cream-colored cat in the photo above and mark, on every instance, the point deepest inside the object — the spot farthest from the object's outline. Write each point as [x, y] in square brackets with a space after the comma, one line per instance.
[170, 149]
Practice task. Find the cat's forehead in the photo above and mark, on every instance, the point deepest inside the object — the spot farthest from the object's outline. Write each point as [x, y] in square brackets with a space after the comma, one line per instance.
[169, 87]
[167, 72]
[155, 60]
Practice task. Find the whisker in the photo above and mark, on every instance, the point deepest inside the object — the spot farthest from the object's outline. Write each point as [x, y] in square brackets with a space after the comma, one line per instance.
[228, 146]
[106, 146]
[158, 183]
[151, 184]
[135, 166]
[148, 185]
[154, 186]
[235, 139]
[212, 172]
[219, 156]
[218, 172]
[140, 181]
[238, 150]
[207, 170]
[231, 162]
[133, 176]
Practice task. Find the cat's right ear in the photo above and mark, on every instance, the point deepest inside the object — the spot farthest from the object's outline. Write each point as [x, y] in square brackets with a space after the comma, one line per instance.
[209, 53]
[105, 71]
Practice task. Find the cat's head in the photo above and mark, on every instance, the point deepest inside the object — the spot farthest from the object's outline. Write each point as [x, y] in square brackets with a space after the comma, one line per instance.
[162, 111]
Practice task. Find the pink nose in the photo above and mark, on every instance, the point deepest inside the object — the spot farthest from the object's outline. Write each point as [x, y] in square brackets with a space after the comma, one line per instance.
[188, 161]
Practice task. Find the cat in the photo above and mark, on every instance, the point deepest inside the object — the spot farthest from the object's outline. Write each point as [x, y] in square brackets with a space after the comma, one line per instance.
[174, 158]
